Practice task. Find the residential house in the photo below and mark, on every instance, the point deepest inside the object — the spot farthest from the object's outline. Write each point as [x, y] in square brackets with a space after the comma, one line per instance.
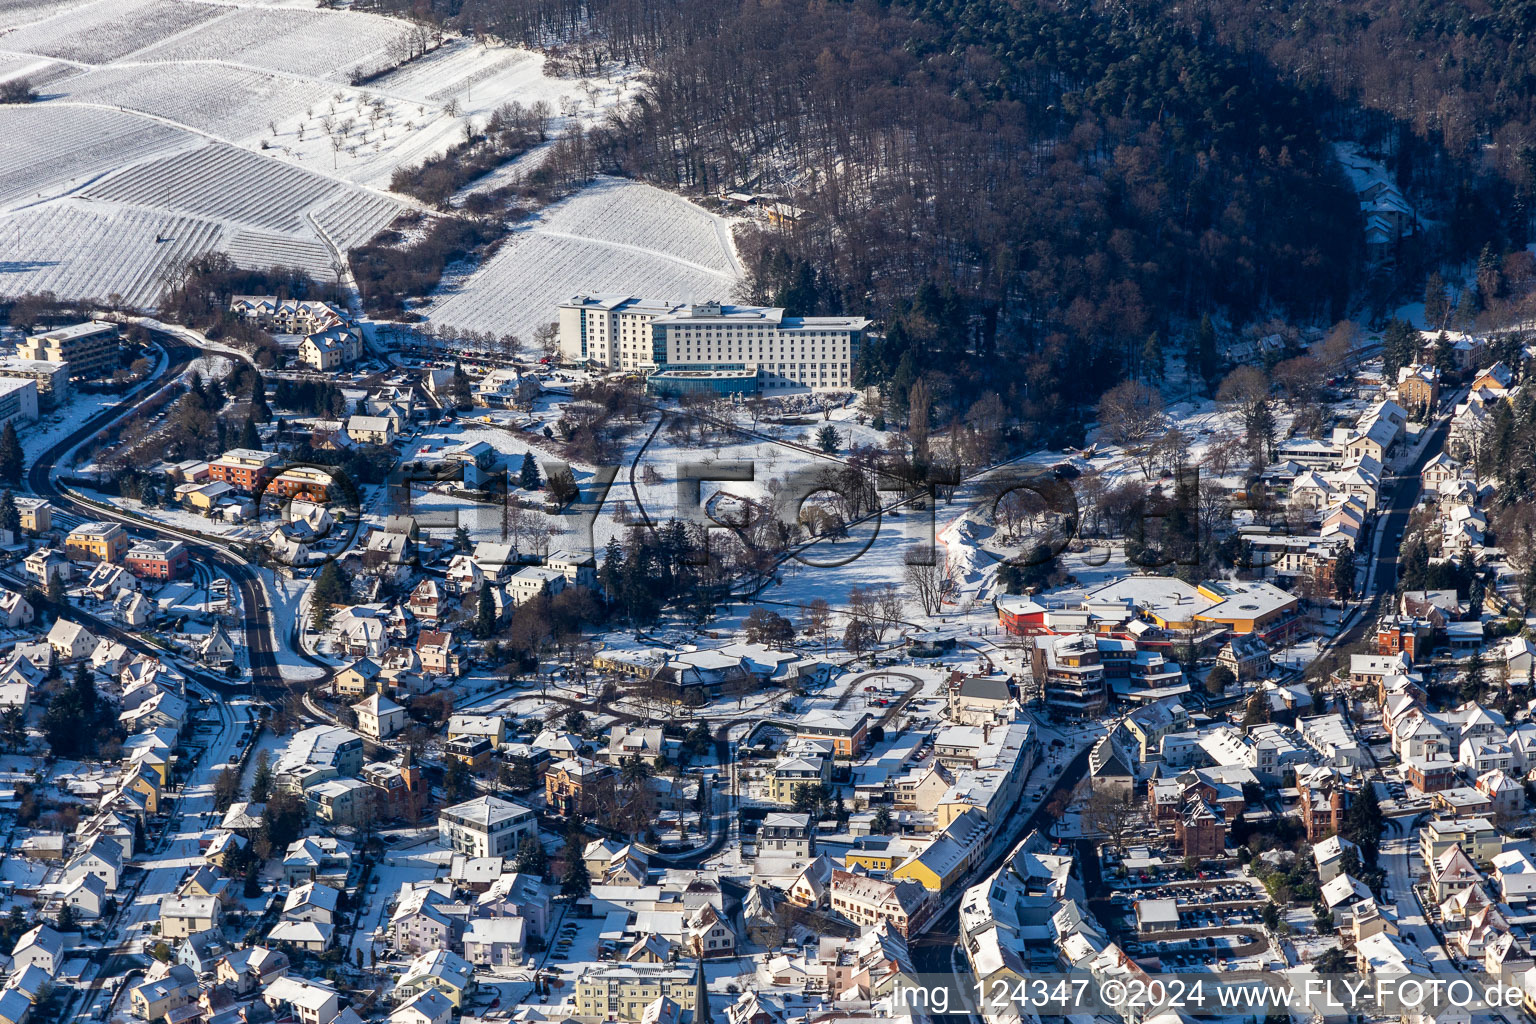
[378, 430]
[378, 717]
[310, 1002]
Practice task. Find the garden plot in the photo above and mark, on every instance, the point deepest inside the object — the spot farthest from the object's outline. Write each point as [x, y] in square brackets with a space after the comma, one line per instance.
[82, 250]
[574, 248]
[110, 29]
[222, 182]
[50, 149]
[354, 218]
[232, 104]
[328, 45]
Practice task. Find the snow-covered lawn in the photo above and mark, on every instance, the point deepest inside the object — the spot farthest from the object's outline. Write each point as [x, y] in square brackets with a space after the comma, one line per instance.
[287, 601]
[55, 426]
[614, 236]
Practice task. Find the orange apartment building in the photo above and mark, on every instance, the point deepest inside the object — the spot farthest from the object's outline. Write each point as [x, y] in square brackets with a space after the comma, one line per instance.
[306, 482]
[245, 469]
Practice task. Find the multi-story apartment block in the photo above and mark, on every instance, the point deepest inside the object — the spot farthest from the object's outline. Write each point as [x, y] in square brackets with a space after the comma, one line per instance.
[96, 542]
[18, 400]
[245, 469]
[622, 992]
[1072, 675]
[158, 559]
[92, 349]
[487, 826]
[709, 346]
[52, 378]
[847, 732]
[307, 482]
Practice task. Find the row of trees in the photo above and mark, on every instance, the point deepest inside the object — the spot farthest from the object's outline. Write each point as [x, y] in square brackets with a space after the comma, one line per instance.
[511, 130]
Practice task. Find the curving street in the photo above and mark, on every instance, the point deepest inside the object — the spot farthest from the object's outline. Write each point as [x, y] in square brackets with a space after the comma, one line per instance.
[256, 611]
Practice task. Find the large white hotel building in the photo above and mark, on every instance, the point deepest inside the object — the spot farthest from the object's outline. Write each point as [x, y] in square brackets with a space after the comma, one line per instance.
[709, 346]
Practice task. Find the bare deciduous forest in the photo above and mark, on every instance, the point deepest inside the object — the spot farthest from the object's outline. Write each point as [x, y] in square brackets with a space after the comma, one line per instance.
[1030, 190]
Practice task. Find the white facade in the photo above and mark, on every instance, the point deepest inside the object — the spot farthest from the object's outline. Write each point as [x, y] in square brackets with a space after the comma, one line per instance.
[626, 333]
[18, 401]
[486, 826]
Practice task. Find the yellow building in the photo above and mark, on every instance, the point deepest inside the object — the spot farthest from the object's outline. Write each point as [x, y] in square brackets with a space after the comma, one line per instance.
[157, 761]
[872, 860]
[1247, 606]
[949, 855]
[146, 782]
[97, 542]
[93, 349]
[36, 514]
[792, 772]
[357, 679]
[623, 992]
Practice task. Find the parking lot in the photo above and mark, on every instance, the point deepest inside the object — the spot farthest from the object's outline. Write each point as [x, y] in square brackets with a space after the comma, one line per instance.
[1216, 950]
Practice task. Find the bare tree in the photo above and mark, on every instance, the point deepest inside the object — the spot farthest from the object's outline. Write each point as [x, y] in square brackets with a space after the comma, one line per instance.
[919, 404]
[818, 621]
[547, 337]
[1131, 415]
[891, 604]
[928, 575]
[1115, 814]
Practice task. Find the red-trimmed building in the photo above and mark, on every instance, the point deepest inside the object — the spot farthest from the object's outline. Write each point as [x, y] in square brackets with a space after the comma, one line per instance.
[158, 559]
[245, 469]
[1020, 615]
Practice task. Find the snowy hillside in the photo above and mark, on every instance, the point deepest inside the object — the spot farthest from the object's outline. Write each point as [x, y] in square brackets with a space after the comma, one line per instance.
[613, 236]
[170, 127]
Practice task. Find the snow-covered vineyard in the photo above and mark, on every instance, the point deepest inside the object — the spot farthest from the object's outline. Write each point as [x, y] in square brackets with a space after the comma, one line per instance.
[614, 236]
[168, 128]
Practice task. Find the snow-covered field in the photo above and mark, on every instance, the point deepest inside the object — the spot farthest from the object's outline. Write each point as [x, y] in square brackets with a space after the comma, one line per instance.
[109, 29]
[53, 149]
[94, 250]
[328, 45]
[15, 13]
[166, 128]
[614, 236]
[222, 182]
